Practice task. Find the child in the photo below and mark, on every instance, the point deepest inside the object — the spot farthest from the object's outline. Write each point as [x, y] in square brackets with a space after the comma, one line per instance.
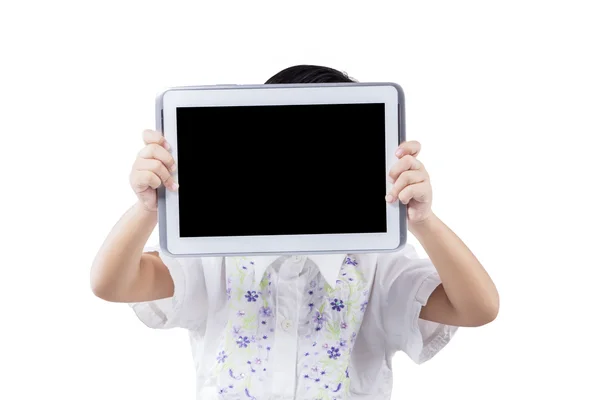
[298, 327]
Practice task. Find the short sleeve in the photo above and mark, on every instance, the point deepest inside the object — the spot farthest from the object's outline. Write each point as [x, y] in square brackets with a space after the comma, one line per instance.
[188, 307]
[406, 282]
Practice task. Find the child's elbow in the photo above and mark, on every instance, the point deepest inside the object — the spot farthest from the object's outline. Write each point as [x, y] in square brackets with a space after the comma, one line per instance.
[101, 285]
[487, 312]
[99, 288]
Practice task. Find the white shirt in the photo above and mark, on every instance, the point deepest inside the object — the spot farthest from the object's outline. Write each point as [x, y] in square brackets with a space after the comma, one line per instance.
[300, 327]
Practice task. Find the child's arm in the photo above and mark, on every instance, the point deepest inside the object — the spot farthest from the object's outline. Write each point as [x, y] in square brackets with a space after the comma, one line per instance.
[467, 295]
[120, 271]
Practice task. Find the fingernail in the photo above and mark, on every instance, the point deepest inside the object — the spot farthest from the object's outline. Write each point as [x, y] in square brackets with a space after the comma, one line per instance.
[389, 198]
[173, 167]
[174, 186]
[398, 152]
[167, 145]
[390, 179]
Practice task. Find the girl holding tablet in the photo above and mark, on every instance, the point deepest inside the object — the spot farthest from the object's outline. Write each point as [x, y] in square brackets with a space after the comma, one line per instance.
[298, 326]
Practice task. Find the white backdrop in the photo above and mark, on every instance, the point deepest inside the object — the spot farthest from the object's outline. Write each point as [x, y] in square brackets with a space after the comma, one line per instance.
[504, 97]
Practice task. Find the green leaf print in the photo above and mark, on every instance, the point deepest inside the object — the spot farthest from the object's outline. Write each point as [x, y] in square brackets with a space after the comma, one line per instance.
[334, 330]
[239, 293]
[329, 290]
[323, 394]
[346, 387]
[249, 322]
[238, 265]
[322, 308]
[329, 363]
[264, 284]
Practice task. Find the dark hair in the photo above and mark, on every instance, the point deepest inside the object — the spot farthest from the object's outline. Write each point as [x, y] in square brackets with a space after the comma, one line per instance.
[309, 74]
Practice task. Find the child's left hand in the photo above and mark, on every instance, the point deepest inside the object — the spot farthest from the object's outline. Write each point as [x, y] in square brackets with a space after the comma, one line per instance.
[411, 183]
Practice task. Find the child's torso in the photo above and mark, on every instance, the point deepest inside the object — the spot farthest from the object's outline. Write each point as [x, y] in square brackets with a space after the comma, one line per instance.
[288, 335]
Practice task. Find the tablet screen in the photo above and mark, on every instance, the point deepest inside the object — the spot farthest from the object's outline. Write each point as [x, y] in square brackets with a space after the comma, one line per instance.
[281, 170]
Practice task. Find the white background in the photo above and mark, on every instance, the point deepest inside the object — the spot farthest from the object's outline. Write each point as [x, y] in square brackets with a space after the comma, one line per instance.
[504, 97]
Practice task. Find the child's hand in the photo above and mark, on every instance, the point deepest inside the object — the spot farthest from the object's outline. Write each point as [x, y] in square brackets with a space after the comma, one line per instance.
[411, 183]
[152, 167]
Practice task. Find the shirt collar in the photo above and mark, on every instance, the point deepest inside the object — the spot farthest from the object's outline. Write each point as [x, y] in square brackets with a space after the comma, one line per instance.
[329, 265]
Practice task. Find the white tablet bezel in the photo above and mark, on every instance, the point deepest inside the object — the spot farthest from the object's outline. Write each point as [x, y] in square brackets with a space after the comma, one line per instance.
[246, 95]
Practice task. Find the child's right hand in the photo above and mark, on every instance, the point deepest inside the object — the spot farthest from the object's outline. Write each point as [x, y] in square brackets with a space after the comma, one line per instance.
[152, 168]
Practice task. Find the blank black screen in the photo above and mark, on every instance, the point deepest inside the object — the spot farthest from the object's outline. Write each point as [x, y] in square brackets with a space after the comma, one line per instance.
[281, 170]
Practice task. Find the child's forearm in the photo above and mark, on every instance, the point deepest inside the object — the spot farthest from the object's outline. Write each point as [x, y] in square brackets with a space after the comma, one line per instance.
[117, 263]
[469, 289]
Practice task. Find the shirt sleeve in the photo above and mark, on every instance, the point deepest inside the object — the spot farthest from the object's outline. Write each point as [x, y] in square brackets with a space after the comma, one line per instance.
[187, 308]
[406, 282]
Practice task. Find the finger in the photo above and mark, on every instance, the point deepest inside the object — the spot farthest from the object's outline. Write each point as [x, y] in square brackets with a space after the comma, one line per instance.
[154, 151]
[154, 137]
[418, 192]
[412, 148]
[405, 179]
[406, 163]
[144, 164]
[142, 180]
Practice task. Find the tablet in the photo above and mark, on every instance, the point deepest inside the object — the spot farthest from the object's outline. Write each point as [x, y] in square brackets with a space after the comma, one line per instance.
[281, 169]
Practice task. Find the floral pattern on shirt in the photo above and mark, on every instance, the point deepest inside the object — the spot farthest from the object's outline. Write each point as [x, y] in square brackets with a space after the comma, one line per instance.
[328, 322]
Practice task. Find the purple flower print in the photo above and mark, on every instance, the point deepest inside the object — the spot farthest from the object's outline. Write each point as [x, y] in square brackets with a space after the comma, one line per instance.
[241, 313]
[334, 353]
[221, 357]
[265, 312]
[351, 261]
[363, 306]
[343, 325]
[236, 329]
[251, 296]
[248, 394]
[228, 293]
[234, 376]
[243, 341]
[337, 305]
[313, 284]
[342, 343]
[319, 320]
